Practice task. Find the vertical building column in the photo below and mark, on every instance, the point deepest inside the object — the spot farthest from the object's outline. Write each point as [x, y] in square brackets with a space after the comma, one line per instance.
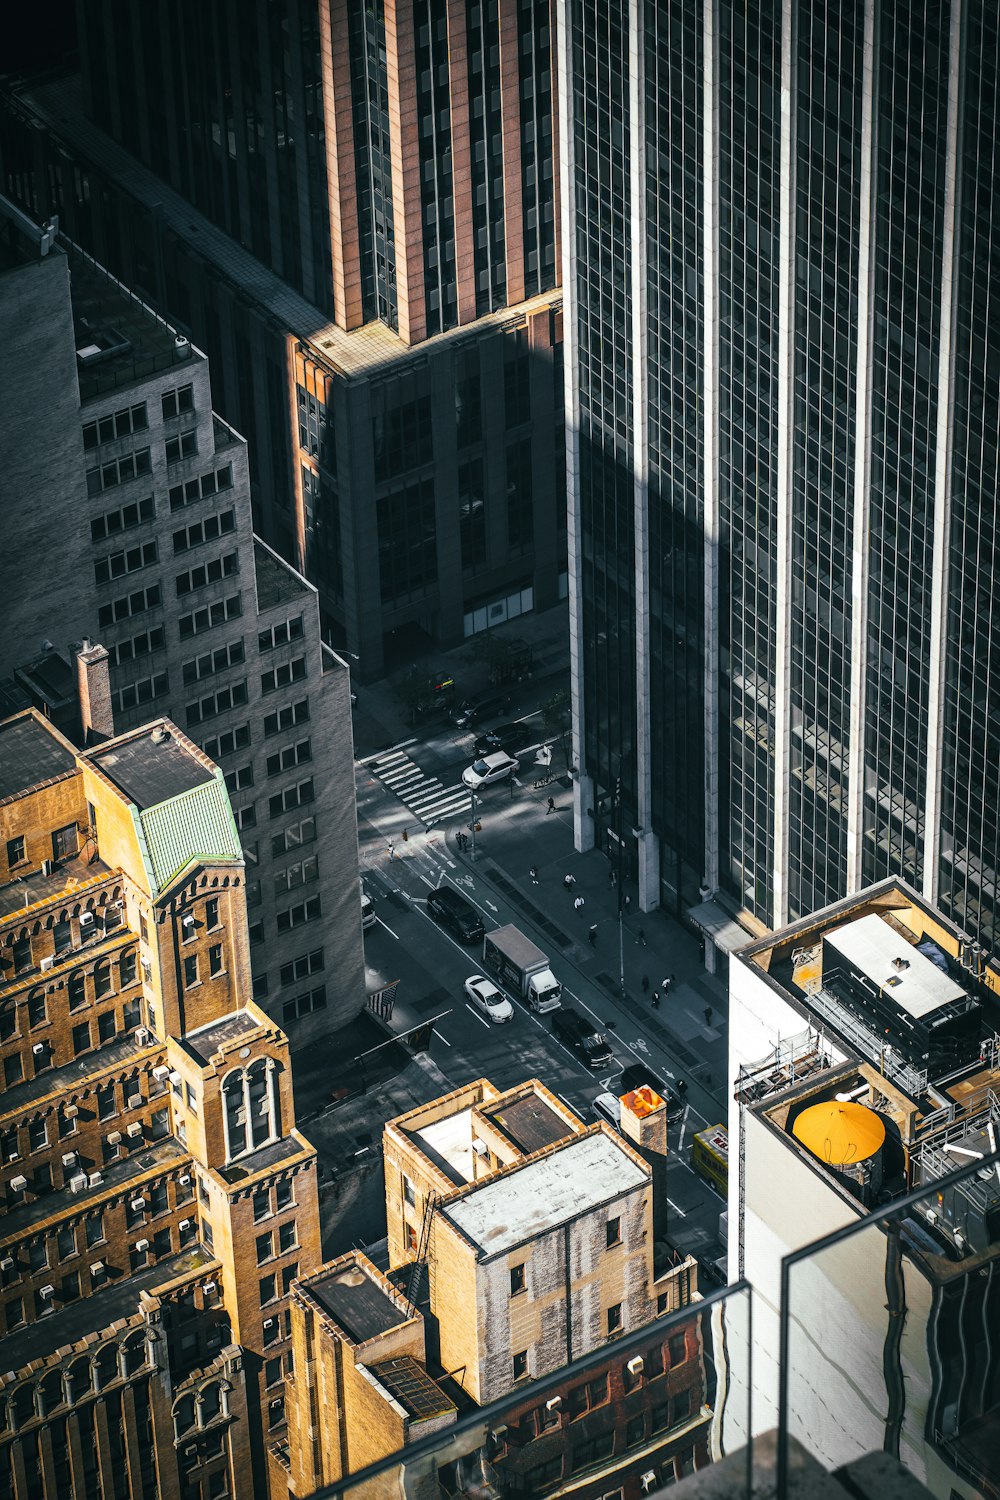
[556, 167]
[510, 115]
[938, 643]
[583, 788]
[404, 132]
[648, 851]
[710, 432]
[338, 125]
[862, 470]
[106, 1465]
[461, 160]
[785, 486]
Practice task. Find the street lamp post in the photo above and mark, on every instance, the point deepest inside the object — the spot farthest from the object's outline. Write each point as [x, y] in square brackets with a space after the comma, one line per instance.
[619, 884]
[475, 820]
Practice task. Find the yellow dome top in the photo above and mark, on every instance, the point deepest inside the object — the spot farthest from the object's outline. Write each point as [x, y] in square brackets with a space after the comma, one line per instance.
[840, 1133]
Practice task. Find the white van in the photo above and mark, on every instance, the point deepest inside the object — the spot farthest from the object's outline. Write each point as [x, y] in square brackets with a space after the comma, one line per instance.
[609, 1107]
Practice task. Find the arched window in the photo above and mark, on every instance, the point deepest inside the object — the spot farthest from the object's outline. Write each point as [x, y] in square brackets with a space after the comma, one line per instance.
[22, 1406]
[77, 989]
[79, 1381]
[102, 979]
[50, 1392]
[133, 1354]
[236, 1115]
[210, 1404]
[128, 968]
[261, 1123]
[106, 1365]
[183, 1415]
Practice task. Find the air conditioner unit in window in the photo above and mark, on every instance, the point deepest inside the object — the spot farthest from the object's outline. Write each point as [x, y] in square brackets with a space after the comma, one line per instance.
[142, 1244]
[648, 1481]
[86, 920]
[635, 1365]
[7, 1263]
[553, 1403]
[13, 1157]
[161, 1071]
[47, 963]
[137, 1204]
[184, 1224]
[96, 1178]
[114, 1138]
[191, 1451]
[142, 1035]
[184, 1179]
[71, 1111]
[268, 1322]
[38, 1047]
[134, 1130]
[18, 1184]
[78, 1182]
[69, 1159]
[187, 920]
[175, 1077]
[98, 1268]
[208, 1288]
[46, 1292]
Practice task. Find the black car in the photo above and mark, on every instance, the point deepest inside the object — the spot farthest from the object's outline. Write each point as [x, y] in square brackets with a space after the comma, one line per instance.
[638, 1074]
[458, 915]
[584, 1038]
[509, 737]
[478, 711]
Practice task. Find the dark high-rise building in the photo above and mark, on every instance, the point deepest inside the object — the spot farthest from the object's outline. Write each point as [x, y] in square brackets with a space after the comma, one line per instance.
[783, 394]
[351, 208]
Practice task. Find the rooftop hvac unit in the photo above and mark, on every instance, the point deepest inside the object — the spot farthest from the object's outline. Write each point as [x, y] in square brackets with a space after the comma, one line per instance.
[71, 1111]
[134, 1130]
[184, 1224]
[98, 1268]
[142, 1244]
[161, 1071]
[114, 1138]
[184, 1179]
[86, 919]
[38, 1047]
[96, 1178]
[635, 1365]
[18, 1184]
[78, 1182]
[46, 1292]
[47, 963]
[182, 346]
[137, 1204]
[7, 1263]
[69, 1159]
[141, 1035]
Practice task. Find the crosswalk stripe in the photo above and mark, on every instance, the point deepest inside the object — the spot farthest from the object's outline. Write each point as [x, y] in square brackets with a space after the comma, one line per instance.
[402, 778]
[451, 805]
[397, 757]
[430, 794]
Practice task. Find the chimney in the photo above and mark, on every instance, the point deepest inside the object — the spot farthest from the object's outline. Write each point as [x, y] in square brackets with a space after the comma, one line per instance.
[644, 1125]
[93, 686]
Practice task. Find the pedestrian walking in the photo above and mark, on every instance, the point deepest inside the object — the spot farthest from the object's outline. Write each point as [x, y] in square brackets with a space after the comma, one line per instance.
[592, 935]
[612, 877]
[578, 905]
[640, 937]
[645, 984]
[533, 872]
[665, 986]
[708, 1015]
[392, 852]
[569, 881]
[626, 901]
[656, 999]
[551, 807]
[682, 1087]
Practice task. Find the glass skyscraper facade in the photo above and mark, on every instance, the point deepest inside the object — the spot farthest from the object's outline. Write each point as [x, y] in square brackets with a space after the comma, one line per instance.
[783, 410]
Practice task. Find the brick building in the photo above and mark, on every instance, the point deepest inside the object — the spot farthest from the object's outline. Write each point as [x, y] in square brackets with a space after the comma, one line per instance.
[136, 530]
[158, 1200]
[357, 204]
[519, 1242]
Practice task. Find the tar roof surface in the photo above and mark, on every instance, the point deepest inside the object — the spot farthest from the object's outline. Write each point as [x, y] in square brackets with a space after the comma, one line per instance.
[206, 1041]
[277, 583]
[530, 1123]
[29, 754]
[357, 1303]
[149, 773]
[534, 1198]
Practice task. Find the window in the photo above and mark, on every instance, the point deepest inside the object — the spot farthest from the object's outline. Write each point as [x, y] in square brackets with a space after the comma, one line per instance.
[94, 1229]
[614, 1232]
[81, 1038]
[288, 1275]
[212, 662]
[37, 1014]
[65, 842]
[131, 1014]
[175, 402]
[212, 913]
[209, 616]
[116, 425]
[12, 1071]
[130, 604]
[113, 522]
[208, 529]
[288, 1237]
[246, 817]
[106, 1028]
[190, 970]
[304, 1004]
[261, 1205]
[118, 471]
[66, 1242]
[265, 1247]
[519, 1364]
[138, 646]
[296, 916]
[215, 959]
[281, 676]
[293, 837]
[281, 634]
[105, 1101]
[210, 572]
[302, 967]
[14, 1313]
[272, 1371]
[268, 1289]
[260, 987]
[143, 555]
[228, 743]
[102, 979]
[614, 1317]
[38, 1135]
[199, 488]
[38, 1255]
[286, 718]
[184, 445]
[144, 691]
[289, 757]
[15, 850]
[299, 795]
[128, 969]
[517, 1283]
[677, 1350]
[299, 873]
[284, 1196]
[217, 703]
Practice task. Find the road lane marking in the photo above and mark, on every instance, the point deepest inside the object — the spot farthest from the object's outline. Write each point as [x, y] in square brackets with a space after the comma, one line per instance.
[676, 1209]
[388, 929]
[478, 1017]
[440, 1037]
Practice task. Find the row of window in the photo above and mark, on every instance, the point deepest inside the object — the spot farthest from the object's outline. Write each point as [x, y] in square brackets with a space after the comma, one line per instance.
[184, 445]
[118, 471]
[214, 482]
[211, 572]
[210, 615]
[212, 662]
[209, 529]
[43, 1053]
[136, 513]
[116, 425]
[121, 563]
[145, 690]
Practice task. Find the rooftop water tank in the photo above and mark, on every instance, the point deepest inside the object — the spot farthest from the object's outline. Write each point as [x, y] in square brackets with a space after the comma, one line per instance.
[848, 1138]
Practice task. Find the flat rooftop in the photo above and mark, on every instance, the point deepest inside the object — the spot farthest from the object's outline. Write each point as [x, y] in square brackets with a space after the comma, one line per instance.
[206, 1041]
[356, 1302]
[277, 581]
[529, 1123]
[539, 1196]
[165, 1154]
[148, 772]
[30, 754]
[119, 1300]
[916, 984]
[408, 1382]
[448, 1143]
[72, 1075]
[68, 875]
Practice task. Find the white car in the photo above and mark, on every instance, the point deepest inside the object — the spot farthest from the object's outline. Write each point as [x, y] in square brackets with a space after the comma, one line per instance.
[609, 1107]
[491, 768]
[486, 997]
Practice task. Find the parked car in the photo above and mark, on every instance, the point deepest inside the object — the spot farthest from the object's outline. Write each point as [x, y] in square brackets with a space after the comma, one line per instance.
[509, 737]
[487, 998]
[583, 1036]
[608, 1107]
[451, 910]
[489, 769]
[478, 711]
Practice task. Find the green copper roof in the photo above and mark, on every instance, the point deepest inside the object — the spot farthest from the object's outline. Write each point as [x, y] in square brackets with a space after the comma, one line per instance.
[197, 825]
